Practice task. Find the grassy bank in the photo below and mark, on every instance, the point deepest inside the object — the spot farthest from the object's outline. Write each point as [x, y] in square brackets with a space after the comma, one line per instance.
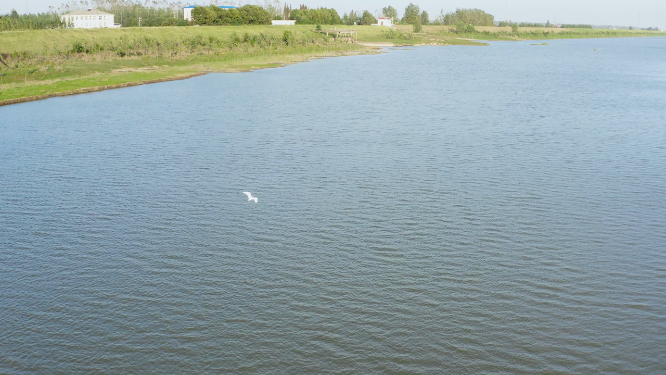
[44, 62]
[41, 63]
[534, 33]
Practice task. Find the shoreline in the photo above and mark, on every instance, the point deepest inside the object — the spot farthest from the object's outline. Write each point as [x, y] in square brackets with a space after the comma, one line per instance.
[61, 71]
[370, 50]
[86, 90]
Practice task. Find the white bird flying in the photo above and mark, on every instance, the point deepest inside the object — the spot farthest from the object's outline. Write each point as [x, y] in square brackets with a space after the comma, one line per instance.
[250, 197]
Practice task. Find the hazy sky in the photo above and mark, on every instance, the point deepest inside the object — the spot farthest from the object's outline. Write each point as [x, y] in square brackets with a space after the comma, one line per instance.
[641, 13]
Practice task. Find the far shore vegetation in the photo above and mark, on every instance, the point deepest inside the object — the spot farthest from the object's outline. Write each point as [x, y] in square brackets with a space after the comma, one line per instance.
[39, 56]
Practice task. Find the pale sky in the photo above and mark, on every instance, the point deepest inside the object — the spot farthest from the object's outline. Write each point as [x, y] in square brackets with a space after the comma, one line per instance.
[637, 13]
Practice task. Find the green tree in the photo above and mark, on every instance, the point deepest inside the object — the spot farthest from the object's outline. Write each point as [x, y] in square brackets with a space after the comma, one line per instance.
[411, 14]
[514, 28]
[15, 21]
[439, 20]
[351, 18]
[475, 17]
[286, 12]
[368, 18]
[322, 16]
[205, 15]
[245, 15]
[288, 38]
[390, 12]
[425, 19]
[228, 17]
[254, 15]
[417, 26]
[274, 8]
[465, 28]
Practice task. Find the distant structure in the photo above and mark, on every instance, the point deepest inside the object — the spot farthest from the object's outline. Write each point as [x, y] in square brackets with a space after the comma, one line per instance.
[88, 19]
[384, 21]
[187, 11]
[283, 22]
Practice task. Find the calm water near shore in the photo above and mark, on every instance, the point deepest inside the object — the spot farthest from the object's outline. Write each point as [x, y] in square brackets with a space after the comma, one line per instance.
[494, 209]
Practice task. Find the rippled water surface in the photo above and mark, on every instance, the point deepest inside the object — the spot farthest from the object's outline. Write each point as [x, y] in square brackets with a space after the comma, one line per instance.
[492, 209]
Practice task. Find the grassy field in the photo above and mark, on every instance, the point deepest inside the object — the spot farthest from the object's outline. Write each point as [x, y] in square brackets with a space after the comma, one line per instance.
[41, 63]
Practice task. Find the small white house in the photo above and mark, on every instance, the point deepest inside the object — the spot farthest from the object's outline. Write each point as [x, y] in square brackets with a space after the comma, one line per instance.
[187, 11]
[385, 21]
[283, 22]
[88, 19]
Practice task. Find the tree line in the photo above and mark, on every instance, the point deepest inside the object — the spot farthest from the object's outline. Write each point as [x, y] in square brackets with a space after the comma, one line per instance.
[320, 16]
[14, 21]
[130, 13]
[245, 15]
[475, 17]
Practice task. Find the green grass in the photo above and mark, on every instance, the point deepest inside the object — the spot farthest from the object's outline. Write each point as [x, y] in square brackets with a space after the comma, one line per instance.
[58, 39]
[86, 75]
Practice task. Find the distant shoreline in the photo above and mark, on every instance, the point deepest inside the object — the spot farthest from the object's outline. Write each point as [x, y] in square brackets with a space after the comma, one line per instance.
[51, 63]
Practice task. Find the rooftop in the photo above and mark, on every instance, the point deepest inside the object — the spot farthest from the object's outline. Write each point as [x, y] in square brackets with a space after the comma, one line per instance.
[89, 12]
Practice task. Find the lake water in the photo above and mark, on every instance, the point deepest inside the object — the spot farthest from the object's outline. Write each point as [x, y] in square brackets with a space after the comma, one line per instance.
[494, 209]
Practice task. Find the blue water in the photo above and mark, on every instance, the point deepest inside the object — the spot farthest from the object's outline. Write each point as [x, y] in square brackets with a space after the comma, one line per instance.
[494, 209]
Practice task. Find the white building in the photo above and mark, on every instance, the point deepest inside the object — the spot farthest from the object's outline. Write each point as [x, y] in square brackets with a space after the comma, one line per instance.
[88, 19]
[187, 11]
[385, 21]
[283, 22]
